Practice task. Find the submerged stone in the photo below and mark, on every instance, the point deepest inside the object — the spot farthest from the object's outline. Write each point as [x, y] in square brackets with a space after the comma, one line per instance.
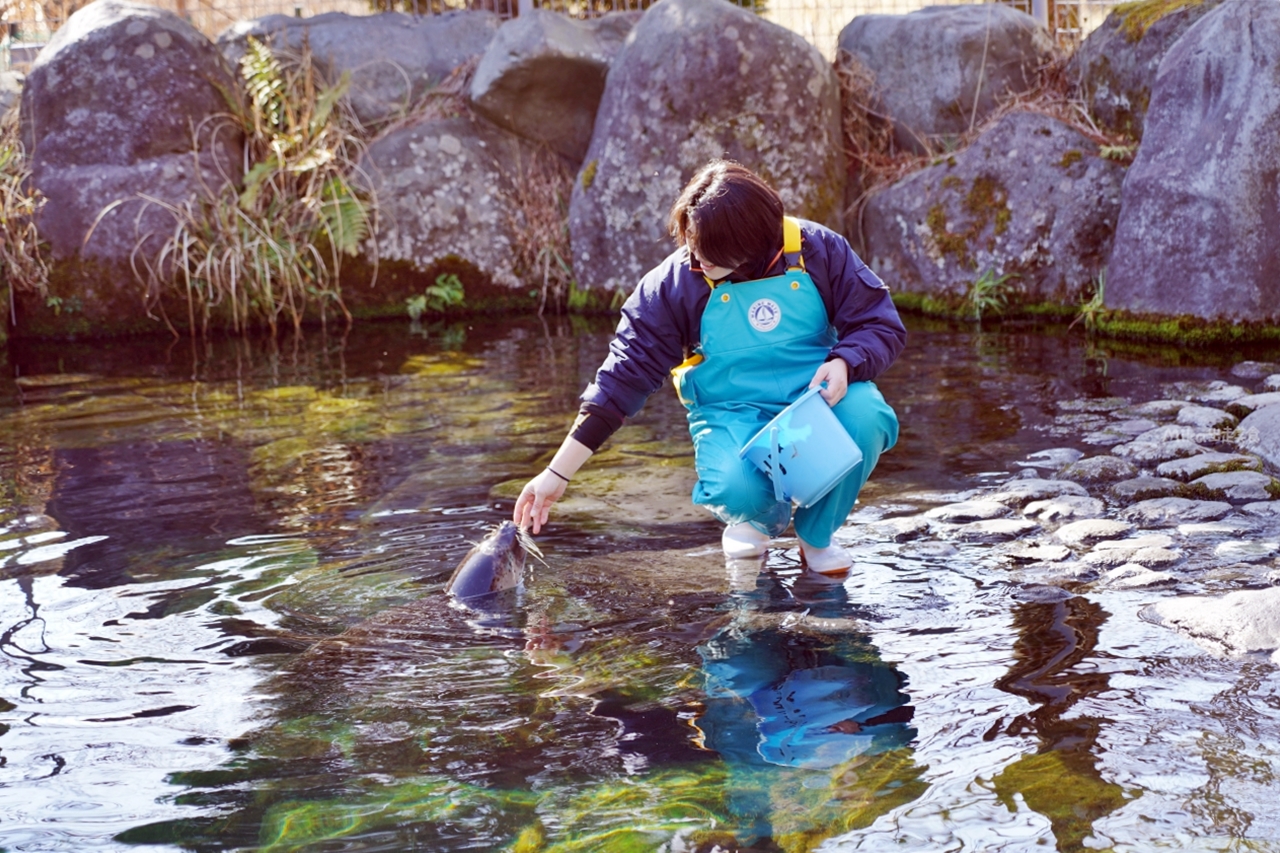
[1262, 510]
[1213, 391]
[1144, 488]
[1149, 557]
[1093, 404]
[996, 530]
[1254, 369]
[1053, 458]
[1036, 552]
[1135, 576]
[1177, 432]
[1167, 512]
[1237, 486]
[1244, 406]
[1019, 493]
[1206, 417]
[1065, 507]
[967, 511]
[1105, 437]
[1079, 534]
[1147, 452]
[1260, 433]
[1237, 623]
[1212, 462]
[1161, 409]
[902, 529]
[1133, 426]
[1099, 469]
[1199, 529]
[1247, 551]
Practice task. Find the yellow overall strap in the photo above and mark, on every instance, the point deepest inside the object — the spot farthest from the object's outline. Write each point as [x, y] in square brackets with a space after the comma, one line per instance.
[792, 243]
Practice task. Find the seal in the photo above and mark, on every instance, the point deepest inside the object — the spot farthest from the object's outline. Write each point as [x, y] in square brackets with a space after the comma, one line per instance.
[494, 564]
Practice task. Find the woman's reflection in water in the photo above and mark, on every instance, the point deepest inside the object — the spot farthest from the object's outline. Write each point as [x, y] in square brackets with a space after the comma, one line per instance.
[799, 686]
[792, 684]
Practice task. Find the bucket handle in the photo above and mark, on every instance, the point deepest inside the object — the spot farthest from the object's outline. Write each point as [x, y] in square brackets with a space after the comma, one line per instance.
[774, 468]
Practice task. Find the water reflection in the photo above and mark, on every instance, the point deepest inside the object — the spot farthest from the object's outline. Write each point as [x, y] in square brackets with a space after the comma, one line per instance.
[220, 566]
[1056, 642]
[804, 689]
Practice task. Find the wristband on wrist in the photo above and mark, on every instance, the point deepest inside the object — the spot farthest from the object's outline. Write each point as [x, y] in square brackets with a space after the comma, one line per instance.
[557, 473]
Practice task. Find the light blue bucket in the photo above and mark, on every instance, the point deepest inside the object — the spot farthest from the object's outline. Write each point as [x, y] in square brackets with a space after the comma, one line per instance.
[805, 450]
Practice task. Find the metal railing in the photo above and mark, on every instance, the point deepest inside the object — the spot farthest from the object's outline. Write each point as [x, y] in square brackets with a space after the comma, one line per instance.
[25, 25]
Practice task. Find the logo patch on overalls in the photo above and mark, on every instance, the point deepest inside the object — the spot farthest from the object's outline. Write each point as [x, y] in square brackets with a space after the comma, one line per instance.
[764, 315]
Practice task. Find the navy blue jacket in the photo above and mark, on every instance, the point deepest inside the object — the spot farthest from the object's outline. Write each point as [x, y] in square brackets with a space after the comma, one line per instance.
[662, 321]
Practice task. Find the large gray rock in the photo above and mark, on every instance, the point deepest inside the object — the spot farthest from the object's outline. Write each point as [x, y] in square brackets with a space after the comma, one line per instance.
[394, 59]
[543, 74]
[1115, 66]
[108, 114]
[443, 188]
[941, 71]
[699, 79]
[1030, 199]
[1200, 205]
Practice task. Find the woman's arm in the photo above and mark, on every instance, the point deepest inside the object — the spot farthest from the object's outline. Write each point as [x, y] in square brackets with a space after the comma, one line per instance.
[534, 504]
[870, 333]
[649, 341]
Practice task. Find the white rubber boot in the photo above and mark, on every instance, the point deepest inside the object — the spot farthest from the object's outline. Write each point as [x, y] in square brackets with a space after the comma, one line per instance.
[744, 540]
[831, 560]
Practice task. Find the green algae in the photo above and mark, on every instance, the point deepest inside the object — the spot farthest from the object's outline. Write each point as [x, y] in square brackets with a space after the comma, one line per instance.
[309, 824]
[1138, 16]
[589, 173]
[1137, 331]
[1185, 330]
[986, 209]
[1065, 787]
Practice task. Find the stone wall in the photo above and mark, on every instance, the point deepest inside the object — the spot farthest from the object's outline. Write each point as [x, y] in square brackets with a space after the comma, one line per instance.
[122, 120]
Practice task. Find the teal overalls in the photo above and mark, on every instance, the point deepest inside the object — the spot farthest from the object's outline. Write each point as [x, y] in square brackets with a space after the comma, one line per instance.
[761, 343]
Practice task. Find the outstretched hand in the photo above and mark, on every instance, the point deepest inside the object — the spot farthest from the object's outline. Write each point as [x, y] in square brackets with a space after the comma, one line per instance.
[534, 504]
[836, 374]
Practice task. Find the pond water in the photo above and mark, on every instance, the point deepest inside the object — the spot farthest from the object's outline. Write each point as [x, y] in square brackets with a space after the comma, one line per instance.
[223, 626]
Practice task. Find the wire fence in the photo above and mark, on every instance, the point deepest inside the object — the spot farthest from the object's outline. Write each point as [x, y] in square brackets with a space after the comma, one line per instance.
[25, 25]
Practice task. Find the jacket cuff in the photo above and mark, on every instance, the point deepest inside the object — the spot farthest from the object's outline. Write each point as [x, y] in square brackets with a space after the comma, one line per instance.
[594, 426]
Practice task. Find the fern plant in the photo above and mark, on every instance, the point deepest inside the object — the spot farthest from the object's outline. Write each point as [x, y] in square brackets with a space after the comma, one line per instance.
[271, 248]
[445, 293]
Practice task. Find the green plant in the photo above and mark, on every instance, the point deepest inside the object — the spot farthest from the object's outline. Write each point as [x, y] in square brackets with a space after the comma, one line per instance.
[445, 293]
[270, 248]
[1092, 308]
[22, 262]
[988, 293]
[1119, 153]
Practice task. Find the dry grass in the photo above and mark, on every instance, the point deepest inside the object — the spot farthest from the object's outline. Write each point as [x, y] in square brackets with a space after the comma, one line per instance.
[875, 161]
[539, 217]
[22, 262]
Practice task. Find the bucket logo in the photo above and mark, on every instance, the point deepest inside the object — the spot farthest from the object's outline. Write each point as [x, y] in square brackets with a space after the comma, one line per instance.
[764, 315]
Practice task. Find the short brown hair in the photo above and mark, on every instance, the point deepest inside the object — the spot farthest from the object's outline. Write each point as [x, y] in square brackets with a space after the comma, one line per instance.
[729, 215]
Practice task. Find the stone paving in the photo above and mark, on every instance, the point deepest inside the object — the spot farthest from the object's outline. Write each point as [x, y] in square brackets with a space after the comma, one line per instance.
[1178, 493]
